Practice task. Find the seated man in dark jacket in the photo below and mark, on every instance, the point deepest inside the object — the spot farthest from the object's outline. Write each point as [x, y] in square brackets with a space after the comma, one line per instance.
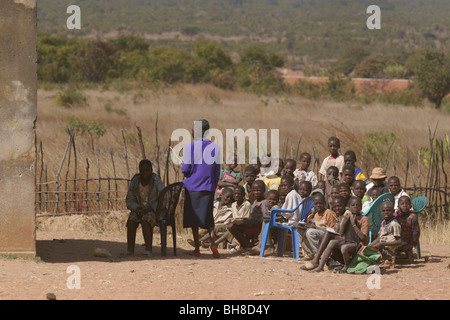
[142, 201]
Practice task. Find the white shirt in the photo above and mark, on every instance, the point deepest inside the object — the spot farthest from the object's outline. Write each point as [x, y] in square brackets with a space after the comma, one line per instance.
[305, 175]
[329, 161]
[291, 201]
[401, 193]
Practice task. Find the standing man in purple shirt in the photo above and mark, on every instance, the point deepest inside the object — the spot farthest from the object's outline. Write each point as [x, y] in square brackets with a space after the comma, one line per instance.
[201, 168]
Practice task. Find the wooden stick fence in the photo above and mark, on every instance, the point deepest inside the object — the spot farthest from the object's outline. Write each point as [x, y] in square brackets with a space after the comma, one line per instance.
[100, 194]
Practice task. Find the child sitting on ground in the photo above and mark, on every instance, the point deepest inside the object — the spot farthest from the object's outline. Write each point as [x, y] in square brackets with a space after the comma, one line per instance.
[240, 209]
[311, 233]
[389, 236]
[334, 159]
[223, 213]
[241, 228]
[304, 173]
[353, 230]
[338, 207]
[410, 229]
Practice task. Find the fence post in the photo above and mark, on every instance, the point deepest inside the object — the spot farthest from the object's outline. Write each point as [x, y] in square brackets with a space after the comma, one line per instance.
[87, 187]
[99, 185]
[58, 173]
[74, 206]
[141, 142]
[126, 154]
[40, 177]
[158, 169]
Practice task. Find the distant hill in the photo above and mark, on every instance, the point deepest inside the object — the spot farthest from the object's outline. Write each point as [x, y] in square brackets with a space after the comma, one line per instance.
[305, 31]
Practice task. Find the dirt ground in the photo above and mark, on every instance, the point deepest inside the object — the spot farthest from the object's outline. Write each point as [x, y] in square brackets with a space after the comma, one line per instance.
[232, 277]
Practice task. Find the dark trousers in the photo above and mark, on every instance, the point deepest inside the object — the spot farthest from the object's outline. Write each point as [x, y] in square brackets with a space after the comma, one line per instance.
[131, 234]
[239, 232]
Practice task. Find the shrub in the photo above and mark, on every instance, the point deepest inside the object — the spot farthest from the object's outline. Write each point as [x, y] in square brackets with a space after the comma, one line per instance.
[431, 74]
[256, 70]
[97, 61]
[70, 97]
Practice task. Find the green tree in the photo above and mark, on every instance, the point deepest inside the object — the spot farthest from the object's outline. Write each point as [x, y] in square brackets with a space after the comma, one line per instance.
[348, 58]
[95, 129]
[97, 61]
[371, 66]
[395, 71]
[256, 69]
[54, 58]
[218, 63]
[431, 70]
[214, 56]
[171, 65]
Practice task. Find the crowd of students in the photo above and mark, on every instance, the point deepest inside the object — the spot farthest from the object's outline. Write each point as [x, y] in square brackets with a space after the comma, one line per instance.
[336, 227]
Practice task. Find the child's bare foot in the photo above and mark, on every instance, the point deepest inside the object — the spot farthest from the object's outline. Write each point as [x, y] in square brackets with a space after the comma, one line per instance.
[308, 266]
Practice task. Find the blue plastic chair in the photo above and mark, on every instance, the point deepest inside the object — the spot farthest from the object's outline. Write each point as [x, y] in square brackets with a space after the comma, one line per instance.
[418, 203]
[307, 205]
[374, 213]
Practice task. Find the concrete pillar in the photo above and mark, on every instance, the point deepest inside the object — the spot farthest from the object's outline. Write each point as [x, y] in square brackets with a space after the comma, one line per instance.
[18, 107]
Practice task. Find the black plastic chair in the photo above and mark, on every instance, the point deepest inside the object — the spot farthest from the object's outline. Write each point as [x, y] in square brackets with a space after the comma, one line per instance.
[168, 200]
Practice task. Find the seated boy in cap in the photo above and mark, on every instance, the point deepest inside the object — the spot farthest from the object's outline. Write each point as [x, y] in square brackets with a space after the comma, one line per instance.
[378, 178]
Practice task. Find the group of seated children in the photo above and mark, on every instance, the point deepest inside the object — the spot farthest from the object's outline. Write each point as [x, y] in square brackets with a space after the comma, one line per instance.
[335, 228]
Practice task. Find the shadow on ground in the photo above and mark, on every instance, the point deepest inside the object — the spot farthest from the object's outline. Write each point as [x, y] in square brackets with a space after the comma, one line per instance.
[82, 250]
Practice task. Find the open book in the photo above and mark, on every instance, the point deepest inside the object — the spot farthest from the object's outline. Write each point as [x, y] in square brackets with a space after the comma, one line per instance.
[331, 230]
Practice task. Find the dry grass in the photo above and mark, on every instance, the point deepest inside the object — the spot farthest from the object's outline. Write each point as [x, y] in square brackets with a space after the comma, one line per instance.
[435, 231]
[178, 106]
[112, 222]
[432, 231]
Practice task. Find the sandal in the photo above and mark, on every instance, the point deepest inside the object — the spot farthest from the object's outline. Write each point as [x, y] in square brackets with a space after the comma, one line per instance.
[193, 253]
[215, 252]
